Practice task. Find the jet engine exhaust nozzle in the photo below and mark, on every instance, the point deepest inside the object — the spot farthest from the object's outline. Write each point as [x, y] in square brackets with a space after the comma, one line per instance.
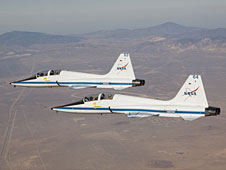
[138, 82]
[212, 111]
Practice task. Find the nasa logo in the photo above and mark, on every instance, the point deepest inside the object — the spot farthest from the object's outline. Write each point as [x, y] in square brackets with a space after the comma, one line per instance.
[123, 67]
[190, 93]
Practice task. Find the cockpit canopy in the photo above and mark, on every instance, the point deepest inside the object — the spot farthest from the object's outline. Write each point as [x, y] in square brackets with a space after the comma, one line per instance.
[100, 96]
[43, 73]
[48, 73]
[90, 98]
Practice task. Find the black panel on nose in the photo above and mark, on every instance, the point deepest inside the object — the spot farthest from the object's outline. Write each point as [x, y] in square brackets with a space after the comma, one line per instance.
[71, 104]
[30, 78]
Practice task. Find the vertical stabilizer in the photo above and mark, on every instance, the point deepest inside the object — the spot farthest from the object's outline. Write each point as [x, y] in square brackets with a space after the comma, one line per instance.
[191, 93]
[122, 68]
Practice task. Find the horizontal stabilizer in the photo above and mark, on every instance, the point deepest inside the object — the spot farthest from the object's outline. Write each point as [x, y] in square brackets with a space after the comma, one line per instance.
[190, 118]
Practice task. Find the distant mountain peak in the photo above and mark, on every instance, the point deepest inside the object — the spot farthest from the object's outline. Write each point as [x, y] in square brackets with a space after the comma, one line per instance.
[170, 24]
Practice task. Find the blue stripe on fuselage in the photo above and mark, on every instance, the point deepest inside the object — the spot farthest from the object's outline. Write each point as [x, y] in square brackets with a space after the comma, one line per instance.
[128, 110]
[80, 83]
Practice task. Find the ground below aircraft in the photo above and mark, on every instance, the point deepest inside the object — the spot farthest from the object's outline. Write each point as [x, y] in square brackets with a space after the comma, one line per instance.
[190, 103]
[121, 76]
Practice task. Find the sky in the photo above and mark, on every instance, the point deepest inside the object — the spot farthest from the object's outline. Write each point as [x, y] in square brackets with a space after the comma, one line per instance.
[82, 16]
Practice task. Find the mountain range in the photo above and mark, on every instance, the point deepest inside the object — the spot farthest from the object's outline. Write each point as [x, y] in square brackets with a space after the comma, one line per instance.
[29, 38]
[167, 30]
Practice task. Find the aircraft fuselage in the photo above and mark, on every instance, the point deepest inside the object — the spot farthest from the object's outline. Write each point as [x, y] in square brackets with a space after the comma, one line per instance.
[77, 80]
[134, 107]
[190, 103]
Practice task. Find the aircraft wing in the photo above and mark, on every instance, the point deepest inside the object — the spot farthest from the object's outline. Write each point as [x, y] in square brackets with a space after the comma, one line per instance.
[140, 114]
[119, 88]
[82, 86]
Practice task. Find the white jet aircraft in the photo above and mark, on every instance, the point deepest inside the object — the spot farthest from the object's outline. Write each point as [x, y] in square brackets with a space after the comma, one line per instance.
[190, 103]
[121, 76]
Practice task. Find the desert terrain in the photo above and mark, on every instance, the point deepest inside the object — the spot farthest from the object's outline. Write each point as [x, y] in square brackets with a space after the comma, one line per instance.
[34, 137]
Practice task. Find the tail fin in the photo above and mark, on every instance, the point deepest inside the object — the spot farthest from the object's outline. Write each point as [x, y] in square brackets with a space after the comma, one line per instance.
[191, 93]
[122, 68]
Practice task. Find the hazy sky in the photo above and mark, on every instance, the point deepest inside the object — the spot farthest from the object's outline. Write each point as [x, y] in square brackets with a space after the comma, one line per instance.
[80, 16]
